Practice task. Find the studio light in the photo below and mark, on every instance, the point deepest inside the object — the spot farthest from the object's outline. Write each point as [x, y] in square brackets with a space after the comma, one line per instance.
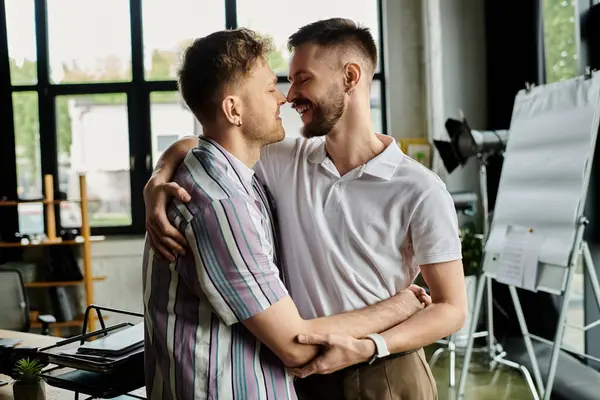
[465, 142]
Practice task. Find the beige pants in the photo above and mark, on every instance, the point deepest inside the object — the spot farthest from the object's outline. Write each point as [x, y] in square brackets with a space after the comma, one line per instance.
[405, 377]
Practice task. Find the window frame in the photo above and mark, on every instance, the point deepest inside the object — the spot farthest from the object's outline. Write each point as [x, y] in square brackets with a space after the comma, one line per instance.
[138, 92]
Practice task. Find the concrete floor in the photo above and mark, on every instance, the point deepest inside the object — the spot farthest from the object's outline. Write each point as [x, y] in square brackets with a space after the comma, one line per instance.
[502, 384]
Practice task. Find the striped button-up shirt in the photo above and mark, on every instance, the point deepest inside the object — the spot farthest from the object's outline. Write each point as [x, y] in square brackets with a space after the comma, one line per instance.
[196, 347]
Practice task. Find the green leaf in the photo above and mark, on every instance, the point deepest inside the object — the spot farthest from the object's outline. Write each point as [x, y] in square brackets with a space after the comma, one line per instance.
[28, 370]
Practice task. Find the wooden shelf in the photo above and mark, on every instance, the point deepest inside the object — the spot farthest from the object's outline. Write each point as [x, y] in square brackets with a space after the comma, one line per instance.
[59, 324]
[12, 203]
[64, 283]
[52, 239]
[54, 242]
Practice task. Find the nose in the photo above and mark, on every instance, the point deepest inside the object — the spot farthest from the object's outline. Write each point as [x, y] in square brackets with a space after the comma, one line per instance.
[282, 98]
[291, 96]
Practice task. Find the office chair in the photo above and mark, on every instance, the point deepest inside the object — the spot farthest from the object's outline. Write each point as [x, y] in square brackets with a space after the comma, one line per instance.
[14, 313]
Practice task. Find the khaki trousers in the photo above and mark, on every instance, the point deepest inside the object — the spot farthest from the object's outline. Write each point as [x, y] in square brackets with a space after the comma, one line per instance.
[405, 377]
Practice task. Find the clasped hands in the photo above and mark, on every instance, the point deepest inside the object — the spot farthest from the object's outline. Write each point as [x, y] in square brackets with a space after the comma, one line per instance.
[341, 351]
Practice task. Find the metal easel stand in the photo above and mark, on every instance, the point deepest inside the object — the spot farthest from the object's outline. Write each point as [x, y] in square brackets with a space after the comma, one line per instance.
[491, 347]
[541, 391]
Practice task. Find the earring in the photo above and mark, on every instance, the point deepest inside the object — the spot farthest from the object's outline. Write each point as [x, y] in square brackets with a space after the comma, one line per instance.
[239, 123]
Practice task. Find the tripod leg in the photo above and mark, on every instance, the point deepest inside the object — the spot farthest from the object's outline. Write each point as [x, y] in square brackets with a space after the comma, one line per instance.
[490, 322]
[530, 385]
[560, 330]
[469, 350]
[528, 344]
[436, 356]
[452, 349]
[589, 267]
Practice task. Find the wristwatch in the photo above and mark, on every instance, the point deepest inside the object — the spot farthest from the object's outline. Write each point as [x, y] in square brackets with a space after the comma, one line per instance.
[381, 349]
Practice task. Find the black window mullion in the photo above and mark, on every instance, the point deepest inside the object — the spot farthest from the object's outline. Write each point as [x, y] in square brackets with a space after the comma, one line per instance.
[231, 14]
[8, 159]
[161, 86]
[24, 88]
[46, 101]
[87, 88]
[381, 75]
[138, 106]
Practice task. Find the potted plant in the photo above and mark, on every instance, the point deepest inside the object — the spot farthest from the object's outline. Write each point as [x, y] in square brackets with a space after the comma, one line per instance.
[472, 251]
[28, 380]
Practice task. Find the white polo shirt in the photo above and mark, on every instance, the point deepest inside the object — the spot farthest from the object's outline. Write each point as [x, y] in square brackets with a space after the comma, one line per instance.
[354, 240]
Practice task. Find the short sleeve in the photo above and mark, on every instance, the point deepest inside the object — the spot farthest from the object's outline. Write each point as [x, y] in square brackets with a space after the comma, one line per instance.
[434, 228]
[232, 259]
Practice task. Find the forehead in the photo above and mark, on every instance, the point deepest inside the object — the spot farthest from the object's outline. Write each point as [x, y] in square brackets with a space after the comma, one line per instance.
[311, 58]
[262, 72]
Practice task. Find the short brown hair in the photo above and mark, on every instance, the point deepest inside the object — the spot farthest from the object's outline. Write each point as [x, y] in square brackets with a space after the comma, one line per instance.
[213, 63]
[337, 32]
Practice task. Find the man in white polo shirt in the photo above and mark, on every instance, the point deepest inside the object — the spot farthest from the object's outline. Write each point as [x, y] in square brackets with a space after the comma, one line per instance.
[358, 221]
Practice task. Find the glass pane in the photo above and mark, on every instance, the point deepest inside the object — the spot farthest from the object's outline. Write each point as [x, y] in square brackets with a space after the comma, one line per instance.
[93, 138]
[376, 107]
[89, 41]
[271, 18]
[170, 26]
[170, 119]
[560, 38]
[293, 124]
[20, 26]
[27, 146]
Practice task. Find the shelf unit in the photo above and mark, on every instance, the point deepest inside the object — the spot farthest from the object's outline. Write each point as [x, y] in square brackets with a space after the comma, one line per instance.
[85, 239]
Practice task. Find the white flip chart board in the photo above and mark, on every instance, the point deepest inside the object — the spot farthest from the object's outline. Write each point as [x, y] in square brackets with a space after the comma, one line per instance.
[545, 174]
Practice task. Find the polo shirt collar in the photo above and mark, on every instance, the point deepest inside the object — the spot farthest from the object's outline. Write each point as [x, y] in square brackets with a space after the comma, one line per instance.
[318, 154]
[382, 166]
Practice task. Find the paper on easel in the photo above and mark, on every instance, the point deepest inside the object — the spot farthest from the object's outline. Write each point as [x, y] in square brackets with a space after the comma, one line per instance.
[518, 263]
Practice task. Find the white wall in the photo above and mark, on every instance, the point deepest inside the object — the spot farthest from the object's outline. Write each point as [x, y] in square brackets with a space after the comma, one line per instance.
[403, 54]
[120, 260]
[464, 75]
[463, 86]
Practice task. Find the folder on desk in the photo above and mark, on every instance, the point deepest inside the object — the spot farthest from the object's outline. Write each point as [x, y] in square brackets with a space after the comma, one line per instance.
[121, 347]
[116, 344]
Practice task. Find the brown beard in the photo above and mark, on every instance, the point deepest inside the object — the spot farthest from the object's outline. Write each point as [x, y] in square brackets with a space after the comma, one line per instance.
[325, 115]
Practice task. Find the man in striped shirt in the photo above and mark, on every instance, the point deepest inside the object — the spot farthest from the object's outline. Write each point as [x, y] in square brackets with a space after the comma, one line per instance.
[219, 321]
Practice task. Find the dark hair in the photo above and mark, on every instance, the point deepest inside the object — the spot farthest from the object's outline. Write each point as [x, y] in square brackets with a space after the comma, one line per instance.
[337, 32]
[215, 62]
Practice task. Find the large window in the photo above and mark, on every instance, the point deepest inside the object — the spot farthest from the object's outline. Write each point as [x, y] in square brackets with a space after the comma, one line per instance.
[92, 87]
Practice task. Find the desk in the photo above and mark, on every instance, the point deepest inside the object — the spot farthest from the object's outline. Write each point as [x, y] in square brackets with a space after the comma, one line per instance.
[52, 393]
[30, 339]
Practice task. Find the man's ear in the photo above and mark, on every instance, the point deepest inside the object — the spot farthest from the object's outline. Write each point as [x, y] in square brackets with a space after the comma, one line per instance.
[352, 76]
[232, 110]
